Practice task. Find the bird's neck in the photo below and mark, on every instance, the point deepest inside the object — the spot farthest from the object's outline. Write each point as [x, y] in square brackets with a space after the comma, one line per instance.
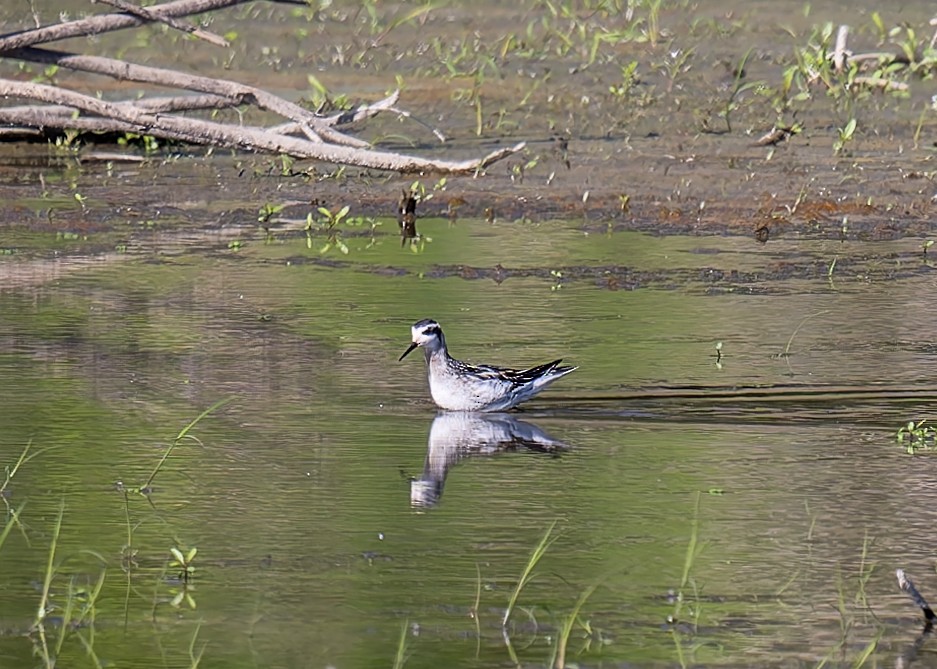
[438, 352]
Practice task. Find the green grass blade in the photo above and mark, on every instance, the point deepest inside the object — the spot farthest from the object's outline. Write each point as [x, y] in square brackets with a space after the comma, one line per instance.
[214, 407]
[24, 458]
[691, 547]
[14, 518]
[867, 652]
[692, 551]
[476, 614]
[67, 614]
[535, 556]
[183, 433]
[401, 657]
[50, 567]
[89, 649]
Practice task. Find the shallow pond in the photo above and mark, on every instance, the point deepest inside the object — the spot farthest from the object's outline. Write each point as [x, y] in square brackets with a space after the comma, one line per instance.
[337, 515]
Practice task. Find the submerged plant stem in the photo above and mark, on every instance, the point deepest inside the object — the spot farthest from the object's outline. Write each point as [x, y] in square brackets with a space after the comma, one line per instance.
[787, 349]
[195, 658]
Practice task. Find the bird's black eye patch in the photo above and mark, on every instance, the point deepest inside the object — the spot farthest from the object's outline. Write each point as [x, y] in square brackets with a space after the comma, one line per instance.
[432, 330]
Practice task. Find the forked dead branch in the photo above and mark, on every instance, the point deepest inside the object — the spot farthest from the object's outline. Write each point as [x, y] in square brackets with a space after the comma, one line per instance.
[305, 134]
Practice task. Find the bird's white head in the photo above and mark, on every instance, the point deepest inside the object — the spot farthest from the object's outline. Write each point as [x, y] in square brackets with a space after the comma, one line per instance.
[426, 334]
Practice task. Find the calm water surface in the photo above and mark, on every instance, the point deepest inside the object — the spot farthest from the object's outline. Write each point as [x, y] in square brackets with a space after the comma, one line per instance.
[332, 507]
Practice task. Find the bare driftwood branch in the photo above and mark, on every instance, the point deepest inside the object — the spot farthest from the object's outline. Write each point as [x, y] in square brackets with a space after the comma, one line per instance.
[147, 15]
[884, 84]
[165, 105]
[363, 112]
[178, 103]
[345, 117]
[241, 137]
[95, 25]
[839, 51]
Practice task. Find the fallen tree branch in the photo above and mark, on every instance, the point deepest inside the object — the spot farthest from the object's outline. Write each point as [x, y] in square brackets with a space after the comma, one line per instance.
[359, 113]
[839, 50]
[166, 105]
[147, 15]
[178, 103]
[95, 25]
[156, 75]
[66, 109]
[884, 84]
[365, 111]
[241, 137]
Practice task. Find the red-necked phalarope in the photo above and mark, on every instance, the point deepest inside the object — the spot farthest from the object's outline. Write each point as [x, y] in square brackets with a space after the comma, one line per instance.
[458, 386]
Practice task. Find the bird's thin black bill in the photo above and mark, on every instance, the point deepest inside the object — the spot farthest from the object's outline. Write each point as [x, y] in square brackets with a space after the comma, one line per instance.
[407, 352]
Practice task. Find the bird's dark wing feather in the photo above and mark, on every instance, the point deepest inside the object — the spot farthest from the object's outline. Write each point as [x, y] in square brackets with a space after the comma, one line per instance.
[518, 377]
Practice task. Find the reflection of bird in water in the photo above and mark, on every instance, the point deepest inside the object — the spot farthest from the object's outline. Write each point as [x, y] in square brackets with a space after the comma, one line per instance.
[910, 654]
[458, 386]
[458, 434]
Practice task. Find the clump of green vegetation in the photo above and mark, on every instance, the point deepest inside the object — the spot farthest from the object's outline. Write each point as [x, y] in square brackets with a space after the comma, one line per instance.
[332, 224]
[267, 212]
[844, 136]
[183, 562]
[68, 608]
[77, 608]
[148, 143]
[849, 615]
[322, 100]
[182, 591]
[917, 436]
[569, 623]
